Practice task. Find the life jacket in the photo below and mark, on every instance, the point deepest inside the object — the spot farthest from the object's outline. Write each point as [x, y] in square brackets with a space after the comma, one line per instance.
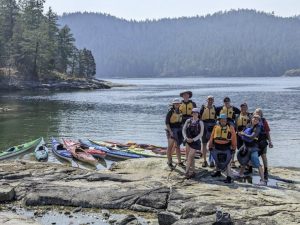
[193, 129]
[209, 113]
[186, 108]
[222, 135]
[175, 117]
[227, 111]
[242, 121]
[263, 134]
[249, 131]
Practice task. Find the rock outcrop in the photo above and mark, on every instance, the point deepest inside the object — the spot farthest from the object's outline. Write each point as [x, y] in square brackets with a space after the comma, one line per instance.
[147, 185]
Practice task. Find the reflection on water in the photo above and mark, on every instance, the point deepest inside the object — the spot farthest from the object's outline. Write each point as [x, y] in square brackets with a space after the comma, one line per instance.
[137, 113]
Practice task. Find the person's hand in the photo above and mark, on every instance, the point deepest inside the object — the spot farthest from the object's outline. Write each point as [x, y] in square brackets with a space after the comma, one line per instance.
[189, 140]
[241, 133]
[271, 144]
[171, 134]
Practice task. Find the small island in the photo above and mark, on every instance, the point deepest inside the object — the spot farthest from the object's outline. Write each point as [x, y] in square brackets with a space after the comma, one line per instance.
[292, 73]
[36, 53]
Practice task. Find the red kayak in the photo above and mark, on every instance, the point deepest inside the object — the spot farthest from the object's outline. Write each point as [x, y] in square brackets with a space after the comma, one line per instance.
[78, 153]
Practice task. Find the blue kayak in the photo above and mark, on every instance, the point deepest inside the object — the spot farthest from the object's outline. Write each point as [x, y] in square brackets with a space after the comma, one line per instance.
[60, 151]
[110, 152]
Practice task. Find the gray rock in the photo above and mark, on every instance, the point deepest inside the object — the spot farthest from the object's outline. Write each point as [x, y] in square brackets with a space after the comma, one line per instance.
[167, 218]
[199, 209]
[103, 177]
[76, 210]
[105, 214]
[17, 176]
[129, 220]
[7, 193]
[208, 220]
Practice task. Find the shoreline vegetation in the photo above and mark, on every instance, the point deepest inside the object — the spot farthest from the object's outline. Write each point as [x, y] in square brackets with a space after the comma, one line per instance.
[37, 53]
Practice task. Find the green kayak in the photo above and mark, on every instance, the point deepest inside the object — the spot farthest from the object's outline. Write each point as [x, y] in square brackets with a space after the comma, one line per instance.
[145, 152]
[16, 150]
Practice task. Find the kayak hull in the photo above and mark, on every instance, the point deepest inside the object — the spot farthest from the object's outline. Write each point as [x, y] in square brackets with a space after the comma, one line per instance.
[17, 150]
[60, 151]
[41, 151]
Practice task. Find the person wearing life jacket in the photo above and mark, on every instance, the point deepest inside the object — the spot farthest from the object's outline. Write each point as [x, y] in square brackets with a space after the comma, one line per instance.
[192, 132]
[221, 144]
[250, 137]
[208, 116]
[264, 141]
[241, 122]
[231, 112]
[187, 105]
[174, 132]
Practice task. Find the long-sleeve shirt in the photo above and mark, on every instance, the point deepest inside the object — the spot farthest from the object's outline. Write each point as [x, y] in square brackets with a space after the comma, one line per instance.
[233, 137]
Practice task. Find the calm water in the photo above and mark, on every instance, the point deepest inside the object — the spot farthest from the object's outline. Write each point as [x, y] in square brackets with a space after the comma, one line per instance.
[137, 113]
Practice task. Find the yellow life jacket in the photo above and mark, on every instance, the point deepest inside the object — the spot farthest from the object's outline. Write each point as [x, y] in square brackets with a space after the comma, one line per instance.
[176, 118]
[227, 111]
[186, 109]
[222, 135]
[242, 120]
[208, 113]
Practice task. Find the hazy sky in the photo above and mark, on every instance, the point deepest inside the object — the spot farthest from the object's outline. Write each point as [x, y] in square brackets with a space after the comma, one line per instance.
[143, 9]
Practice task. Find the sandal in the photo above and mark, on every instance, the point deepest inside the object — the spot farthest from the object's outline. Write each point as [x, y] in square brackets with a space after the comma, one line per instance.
[204, 164]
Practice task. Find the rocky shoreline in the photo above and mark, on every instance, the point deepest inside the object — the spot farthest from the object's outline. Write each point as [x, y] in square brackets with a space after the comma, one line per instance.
[56, 85]
[147, 185]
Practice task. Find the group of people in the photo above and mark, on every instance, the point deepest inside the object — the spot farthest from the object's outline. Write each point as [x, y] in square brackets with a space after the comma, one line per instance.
[222, 130]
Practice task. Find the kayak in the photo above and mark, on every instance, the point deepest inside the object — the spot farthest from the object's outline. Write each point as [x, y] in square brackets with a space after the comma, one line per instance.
[117, 154]
[41, 151]
[97, 153]
[16, 150]
[145, 152]
[78, 153]
[60, 151]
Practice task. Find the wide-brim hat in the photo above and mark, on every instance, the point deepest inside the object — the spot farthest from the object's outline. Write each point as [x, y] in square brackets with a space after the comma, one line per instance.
[188, 92]
[243, 155]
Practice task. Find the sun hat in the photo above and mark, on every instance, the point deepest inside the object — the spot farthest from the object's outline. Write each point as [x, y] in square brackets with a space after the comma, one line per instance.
[196, 110]
[176, 101]
[188, 92]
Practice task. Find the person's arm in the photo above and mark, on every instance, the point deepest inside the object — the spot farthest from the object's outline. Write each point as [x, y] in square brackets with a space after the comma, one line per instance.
[201, 132]
[233, 138]
[254, 134]
[184, 130]
[267, 129]
[194, 104]
[211, 139]
[168, 117]
[201, 111]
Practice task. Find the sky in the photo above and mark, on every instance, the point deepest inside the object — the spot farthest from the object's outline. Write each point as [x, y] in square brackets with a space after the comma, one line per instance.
[155, 9]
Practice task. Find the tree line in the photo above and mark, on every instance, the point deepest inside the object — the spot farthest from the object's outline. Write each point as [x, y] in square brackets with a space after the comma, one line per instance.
[32, 43]
[232, 43]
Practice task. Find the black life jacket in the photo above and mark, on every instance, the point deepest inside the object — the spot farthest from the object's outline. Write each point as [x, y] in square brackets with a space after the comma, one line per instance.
[193, 129]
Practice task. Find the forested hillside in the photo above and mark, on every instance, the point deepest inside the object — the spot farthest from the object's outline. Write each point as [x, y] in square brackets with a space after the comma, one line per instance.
[32, 46]
[234, 43]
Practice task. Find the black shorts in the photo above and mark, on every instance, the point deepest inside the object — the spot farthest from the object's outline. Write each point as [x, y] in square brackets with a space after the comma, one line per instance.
[177, 135]
[208, 128]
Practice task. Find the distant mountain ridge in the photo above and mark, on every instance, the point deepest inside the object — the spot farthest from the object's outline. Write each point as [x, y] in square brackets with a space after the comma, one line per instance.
[233, 43]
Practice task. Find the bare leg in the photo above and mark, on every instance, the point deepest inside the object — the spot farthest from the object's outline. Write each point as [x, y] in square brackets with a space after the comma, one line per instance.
[265, 160]
[242, 170]
[170, 149]
[228, 170]
[204, 151]
[261, 173]
[188, 163]
[178, 153]
[192, 155]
